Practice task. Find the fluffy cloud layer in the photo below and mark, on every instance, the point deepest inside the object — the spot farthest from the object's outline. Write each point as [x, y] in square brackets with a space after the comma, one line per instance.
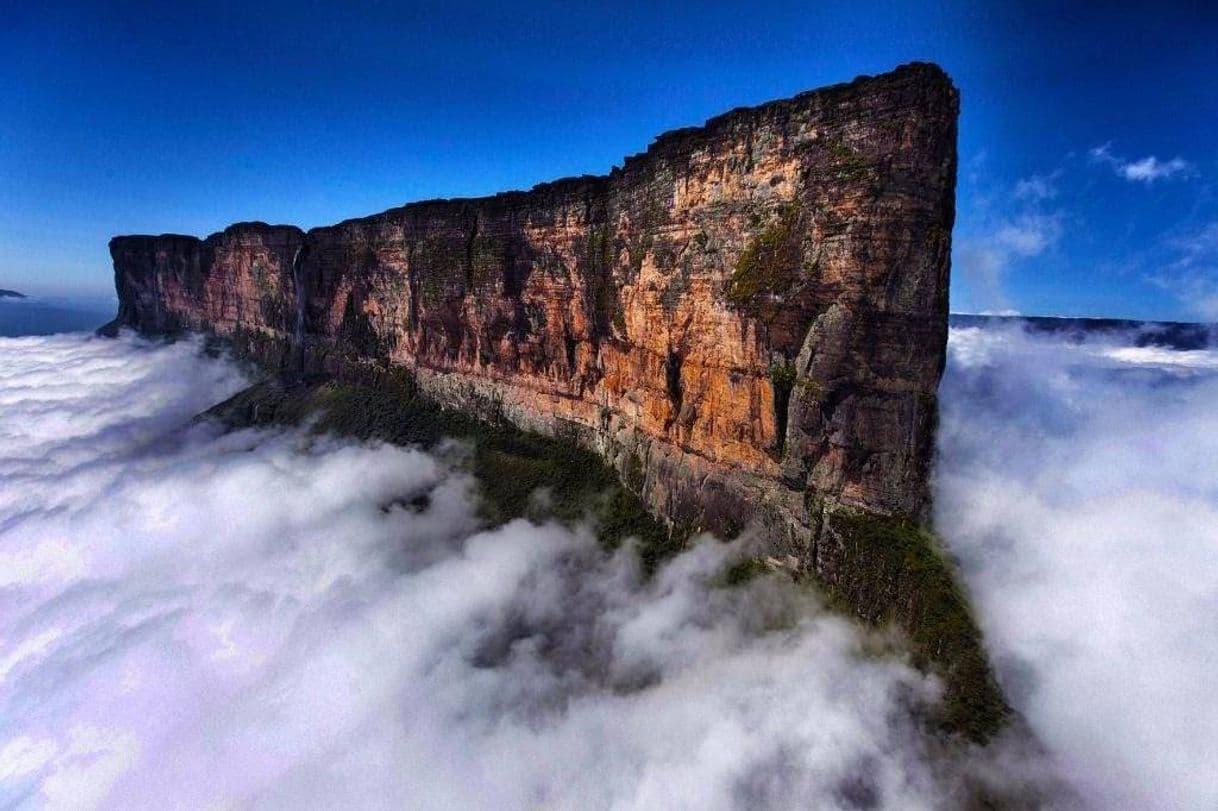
[1079, 484]
[268, 620]
[265, 619]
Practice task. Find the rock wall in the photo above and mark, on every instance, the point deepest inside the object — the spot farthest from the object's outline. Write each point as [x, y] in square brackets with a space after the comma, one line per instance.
[748, 320]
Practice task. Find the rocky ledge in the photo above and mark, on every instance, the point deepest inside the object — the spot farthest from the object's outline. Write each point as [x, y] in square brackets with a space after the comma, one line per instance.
[747, 322]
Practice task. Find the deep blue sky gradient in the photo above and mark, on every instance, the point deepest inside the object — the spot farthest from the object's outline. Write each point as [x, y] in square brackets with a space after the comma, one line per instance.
[148, 118]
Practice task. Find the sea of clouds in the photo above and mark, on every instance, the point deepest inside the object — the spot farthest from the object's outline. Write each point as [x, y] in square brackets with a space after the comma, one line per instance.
[267, 619]
[1078, 485]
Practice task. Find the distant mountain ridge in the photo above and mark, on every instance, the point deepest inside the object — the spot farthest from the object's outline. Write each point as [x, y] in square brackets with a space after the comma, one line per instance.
[1178, 335]
[22, 315]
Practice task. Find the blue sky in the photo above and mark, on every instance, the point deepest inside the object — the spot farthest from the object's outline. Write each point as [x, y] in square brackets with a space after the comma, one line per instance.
[1088, 156]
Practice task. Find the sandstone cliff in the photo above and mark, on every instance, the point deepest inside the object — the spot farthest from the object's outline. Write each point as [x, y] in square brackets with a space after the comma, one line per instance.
[752, 308]
[747, 321]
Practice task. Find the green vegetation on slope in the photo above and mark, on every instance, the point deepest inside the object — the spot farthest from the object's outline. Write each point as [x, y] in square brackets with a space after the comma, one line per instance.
[509, 465]
[889, 571]
[894, 571]
[744, 571]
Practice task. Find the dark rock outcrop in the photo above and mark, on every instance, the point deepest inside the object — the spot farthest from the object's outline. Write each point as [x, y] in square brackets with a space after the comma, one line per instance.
[747, 321]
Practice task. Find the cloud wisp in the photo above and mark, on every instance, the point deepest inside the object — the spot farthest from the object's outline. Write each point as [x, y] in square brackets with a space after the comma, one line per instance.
[1191, 273]
[1037, 187]
[985, 259]
[276, 620]
[1142, 170]
[1078, 484]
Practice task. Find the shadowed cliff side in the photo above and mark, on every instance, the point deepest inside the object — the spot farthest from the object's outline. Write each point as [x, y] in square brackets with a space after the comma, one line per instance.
[747, 322]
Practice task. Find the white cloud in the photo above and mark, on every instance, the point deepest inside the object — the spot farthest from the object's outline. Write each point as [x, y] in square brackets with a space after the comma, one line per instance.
[1196, 290]
[1029, 235]
[982, 266]
[198, 620]
[1036, 188]
[1143, 170]
[1151, 168]
[984, 260]
[1077, 483]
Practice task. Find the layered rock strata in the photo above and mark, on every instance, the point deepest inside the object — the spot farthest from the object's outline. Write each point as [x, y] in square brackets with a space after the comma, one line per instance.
[747, 320]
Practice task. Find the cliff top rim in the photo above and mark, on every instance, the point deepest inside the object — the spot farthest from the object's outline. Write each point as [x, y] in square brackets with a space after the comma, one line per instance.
[929, 73]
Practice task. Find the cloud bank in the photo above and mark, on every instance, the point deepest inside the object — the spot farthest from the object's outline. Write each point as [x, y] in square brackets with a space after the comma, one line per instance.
[272, 620]
[1078, 483]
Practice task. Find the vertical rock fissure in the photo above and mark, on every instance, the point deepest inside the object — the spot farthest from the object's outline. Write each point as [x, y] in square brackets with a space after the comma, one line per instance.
[782, 380]
[672, 381]
[470, 243]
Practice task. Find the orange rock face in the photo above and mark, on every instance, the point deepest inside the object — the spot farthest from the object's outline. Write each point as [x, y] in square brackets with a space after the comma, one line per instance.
[748, 320]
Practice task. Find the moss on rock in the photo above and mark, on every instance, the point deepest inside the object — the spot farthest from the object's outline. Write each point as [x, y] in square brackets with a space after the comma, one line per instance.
[744, 571]
[766, 265]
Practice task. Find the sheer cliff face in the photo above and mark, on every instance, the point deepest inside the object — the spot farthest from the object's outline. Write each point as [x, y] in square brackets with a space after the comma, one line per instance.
[748, 320]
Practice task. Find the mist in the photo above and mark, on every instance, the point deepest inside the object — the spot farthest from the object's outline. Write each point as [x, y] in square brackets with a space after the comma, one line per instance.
[276, 620]
[272, 619]
[1078, 484]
